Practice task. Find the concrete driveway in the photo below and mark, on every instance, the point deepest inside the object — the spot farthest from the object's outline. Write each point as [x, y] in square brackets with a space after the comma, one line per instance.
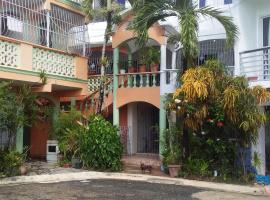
[114, 190]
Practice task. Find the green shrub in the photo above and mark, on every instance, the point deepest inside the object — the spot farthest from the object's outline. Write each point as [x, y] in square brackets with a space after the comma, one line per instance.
[10, 162]
[101, 148]
[67, 131]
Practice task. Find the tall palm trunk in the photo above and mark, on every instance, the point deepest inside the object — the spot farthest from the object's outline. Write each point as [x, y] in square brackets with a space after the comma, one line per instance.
[102, 72]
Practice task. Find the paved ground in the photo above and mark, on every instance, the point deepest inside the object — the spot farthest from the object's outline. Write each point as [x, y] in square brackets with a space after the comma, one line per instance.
[114, 190]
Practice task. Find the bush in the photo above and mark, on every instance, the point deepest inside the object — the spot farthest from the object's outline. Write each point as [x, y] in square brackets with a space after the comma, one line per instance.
[67, 131]
[10, 162]
[101, 148]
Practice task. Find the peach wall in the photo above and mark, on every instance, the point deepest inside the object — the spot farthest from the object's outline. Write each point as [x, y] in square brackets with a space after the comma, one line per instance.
[81, 68]
[123, 115]
[122, 35]
[149, 95]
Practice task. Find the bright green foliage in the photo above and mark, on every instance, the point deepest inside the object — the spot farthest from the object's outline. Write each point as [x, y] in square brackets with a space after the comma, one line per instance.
[171, 146]
[149, 12]
[18, 109]
[101, 147]
[10, 162]
[67, 130]
[210, 100]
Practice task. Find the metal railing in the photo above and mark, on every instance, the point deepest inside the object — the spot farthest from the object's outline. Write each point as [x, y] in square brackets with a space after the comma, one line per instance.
[58, 28]
[255, 64]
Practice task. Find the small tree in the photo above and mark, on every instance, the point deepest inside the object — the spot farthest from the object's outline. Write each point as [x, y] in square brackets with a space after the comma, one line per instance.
[110, 12]
[18, 109]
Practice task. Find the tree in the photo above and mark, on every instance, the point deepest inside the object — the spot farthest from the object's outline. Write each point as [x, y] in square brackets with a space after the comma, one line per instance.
[18, 109]
[110, 12]
[216, 105]
[149, 12]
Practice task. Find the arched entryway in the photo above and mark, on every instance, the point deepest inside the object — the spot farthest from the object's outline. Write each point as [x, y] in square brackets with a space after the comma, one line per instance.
[139, 128]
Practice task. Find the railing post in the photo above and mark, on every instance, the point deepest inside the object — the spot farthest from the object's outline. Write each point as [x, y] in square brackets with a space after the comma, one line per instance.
[147, 80]
[122, 81]
[129, 81]
[134, 81]
[141, 80]
[154, 80]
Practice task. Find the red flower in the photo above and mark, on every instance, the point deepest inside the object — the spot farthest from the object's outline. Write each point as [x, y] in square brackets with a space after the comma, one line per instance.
[220, 124]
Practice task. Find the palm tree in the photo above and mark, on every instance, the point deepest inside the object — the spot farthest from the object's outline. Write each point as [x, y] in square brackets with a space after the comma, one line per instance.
[110, 12]
[149, 12]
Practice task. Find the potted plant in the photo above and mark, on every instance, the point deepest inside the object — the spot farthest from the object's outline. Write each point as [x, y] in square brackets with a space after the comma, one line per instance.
[173, 161]
[143, 62]
[171, 152]
[153, 59]
[131, 69]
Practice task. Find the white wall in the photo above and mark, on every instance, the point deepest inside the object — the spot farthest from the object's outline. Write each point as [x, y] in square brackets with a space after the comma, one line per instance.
[132, 124]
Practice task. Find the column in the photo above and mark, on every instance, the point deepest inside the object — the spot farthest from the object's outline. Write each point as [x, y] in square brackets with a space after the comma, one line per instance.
[162, 110]
[115, 86]
[19, 140]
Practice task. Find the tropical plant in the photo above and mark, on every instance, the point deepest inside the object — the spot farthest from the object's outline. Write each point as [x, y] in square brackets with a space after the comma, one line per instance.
[171, 143]
[43, 77]
[101, 148]
[18, 109]
[149, 12]
[110, 12]
[10, 162]
[67, 130]
[214, 106]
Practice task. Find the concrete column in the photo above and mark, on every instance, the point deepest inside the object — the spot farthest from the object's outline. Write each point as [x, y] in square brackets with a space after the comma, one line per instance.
[162, 122]
[115, 85]
[162, 111]
[163, 66]
[19, 140]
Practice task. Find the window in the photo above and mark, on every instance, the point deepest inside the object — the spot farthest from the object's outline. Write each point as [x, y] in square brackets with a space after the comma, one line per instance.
[202, 3]
[227, 2]
[266, 32]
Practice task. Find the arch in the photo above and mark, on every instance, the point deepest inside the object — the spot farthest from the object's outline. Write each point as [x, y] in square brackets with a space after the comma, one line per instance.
[140, 101]
[122, 35]
[131, 95]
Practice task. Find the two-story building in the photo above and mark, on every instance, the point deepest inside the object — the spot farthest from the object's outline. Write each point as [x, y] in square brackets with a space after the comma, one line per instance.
[135, 98]
[43, 36]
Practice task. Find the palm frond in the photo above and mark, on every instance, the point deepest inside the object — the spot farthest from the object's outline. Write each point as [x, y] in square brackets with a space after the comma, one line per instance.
[226, 21]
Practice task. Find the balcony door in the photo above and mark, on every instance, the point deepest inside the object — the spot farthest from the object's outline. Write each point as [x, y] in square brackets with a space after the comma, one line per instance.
[266, 51]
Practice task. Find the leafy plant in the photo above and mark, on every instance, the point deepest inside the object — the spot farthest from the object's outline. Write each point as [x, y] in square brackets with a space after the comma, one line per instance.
[171, 146]
[67, 131]
[18, 109]
[256, 160]
[10, 162]
[100, 145]
[43, 77]
[153, 56]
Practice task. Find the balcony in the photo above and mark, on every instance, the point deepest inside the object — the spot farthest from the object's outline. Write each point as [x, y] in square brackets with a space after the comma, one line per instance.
[23, 62]
[255, 65]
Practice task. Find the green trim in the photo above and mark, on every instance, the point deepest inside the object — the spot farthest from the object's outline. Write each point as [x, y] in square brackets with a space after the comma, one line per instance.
[32, 73]
[19, 140]
[162, 122]
[115, 86]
